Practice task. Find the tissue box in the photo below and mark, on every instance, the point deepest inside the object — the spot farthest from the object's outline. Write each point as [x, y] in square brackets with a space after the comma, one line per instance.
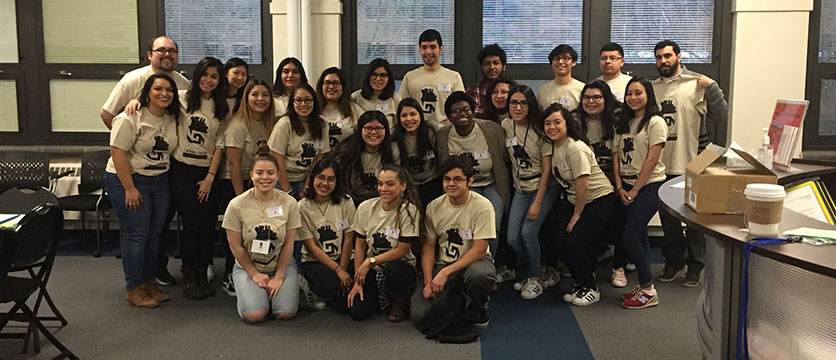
[713, 189]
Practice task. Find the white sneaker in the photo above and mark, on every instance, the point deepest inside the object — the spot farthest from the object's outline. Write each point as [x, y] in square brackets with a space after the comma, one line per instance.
[532, 289]
[571, 295]
[504, 274]
[587, 297]
[210, 272]
[519, 284]
[550, 277]
[618, 279]
[228, 285]
[311, 298]
[630, 267]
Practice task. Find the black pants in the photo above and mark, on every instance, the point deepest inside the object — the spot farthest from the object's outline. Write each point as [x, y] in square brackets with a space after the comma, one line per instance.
[681, 249]
[553, 231]
[325, 283]
[199, 218]
[583, 242]
[225, 194]
[400, 279]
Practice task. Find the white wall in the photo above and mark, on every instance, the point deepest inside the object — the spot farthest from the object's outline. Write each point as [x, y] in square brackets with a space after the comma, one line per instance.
[326, 35]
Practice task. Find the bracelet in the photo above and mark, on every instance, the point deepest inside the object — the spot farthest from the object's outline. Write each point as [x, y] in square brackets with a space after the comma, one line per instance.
[210, 173]
[336, 267]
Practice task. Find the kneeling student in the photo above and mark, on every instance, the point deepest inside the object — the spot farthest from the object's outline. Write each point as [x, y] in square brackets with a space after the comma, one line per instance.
[461, 223]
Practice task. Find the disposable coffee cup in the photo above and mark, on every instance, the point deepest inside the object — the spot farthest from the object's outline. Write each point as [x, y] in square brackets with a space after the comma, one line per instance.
[764, 207]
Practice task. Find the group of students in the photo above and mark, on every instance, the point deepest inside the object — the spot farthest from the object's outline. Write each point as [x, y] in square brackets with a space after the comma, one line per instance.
[375, 200]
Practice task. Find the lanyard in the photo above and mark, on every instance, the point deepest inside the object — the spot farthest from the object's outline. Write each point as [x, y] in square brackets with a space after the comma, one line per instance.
[525, 141]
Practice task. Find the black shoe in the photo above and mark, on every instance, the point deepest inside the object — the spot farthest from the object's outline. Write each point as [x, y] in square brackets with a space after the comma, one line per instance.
[164, 278]
[670, 273]
[191, 285]
[692, 279]
[480, 319]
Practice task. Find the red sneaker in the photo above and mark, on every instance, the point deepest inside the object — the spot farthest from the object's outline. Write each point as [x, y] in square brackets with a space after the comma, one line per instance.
[632, 293]
[642, 300]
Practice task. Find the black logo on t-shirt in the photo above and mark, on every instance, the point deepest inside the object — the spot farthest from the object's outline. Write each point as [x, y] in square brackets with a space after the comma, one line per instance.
[428, 100]
[522, 157]
[454, 243]
[628, 148]
[308, 154]
[668, 110]
[197, 130]
[475, 165]
[368, 181]
[159, 145]
[414, 164]
[560, 180]
[334, 131]
[328, 238]
[380, 244]
[265, 233]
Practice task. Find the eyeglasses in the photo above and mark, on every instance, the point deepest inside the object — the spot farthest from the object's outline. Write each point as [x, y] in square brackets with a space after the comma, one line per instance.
[563, 58]
[300, 101]
[515, 103]
[374, 128]
[456, 179]
[328, 83]
[380, 75]
[328, 179]
[163, 51]
[611, 58]
[595, 98]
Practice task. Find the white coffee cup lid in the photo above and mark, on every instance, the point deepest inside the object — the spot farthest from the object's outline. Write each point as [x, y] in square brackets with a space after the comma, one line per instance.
[765, 191]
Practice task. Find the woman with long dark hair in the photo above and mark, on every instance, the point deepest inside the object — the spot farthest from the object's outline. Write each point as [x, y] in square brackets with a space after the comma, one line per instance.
[363, 154]
[415, 140]
[338, 111]
[237, 73]
[136, 180]
[640, 136]
[497, 109]
[289, 74]
[377, 91]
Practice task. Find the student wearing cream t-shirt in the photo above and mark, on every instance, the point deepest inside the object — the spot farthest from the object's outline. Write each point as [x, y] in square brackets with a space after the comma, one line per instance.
[377, 91]
[459, 225]
[338, 111]
[289, 74]
[363, 155]
[564, 89]
[136, 180]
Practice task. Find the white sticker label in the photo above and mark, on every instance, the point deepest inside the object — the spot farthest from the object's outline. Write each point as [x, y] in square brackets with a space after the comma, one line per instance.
[275, 211]
[392, 232]
[260, 247]
[466, 234]
[692, 199]
[382, 107]
[565, 101]
[479, 155]
[688, 181]
[443, 87]
[430, 155]
[342, 224]
[510, 141]
[319, 145]
[343, 120]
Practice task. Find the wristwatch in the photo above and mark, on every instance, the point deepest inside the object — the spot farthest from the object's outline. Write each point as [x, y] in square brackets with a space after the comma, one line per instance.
[372, 260]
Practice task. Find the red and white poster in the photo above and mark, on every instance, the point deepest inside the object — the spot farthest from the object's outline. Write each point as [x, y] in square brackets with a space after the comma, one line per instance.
[785, 130]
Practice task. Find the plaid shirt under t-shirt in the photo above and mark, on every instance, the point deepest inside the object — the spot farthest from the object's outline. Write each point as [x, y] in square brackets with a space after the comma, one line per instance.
[477, 92]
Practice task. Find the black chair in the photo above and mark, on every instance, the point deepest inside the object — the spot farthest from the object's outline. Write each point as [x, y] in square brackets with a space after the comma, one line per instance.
[33, 241]
[92, 178]
[24, 169]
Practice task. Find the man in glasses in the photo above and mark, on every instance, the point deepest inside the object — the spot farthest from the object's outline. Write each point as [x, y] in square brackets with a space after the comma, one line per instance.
[162, 52]
[565, 89]
[611, 60]
[460, 225]
[690, 103]
[493, 61]
[431, 83]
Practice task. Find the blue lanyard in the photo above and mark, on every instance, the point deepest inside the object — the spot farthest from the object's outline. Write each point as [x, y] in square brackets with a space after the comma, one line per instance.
[742, 323]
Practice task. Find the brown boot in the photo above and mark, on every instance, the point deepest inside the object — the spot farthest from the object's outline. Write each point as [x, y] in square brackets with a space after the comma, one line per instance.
[153, 290]
[138, 297]
[399, 310]
[191, 285]
[203, 281]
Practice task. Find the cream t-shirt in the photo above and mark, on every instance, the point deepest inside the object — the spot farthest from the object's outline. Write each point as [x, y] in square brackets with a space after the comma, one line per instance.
[327, 224]
[618, 86]
[388, 107]
[147, 140]
[298, 151]
[262, 225]
[602, 148]
[364, 186]
[130, 86]
[456, 226]
[431, 89]
[383, 229]
[568, 95]
[682, 103]
[632, 149]
[341, 127]
[476, 146]
[280, 103]
[424, 169]
[526, 151]
[573, 159]
[238, 136]
[196, 133]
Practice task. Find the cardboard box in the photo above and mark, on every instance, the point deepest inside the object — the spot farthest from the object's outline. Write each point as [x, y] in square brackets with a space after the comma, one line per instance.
[713, 189]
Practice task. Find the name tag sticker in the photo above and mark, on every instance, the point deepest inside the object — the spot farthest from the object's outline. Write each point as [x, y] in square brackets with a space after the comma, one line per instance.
[479, 155]
[565, 101]
[430, 154]
[466, 234]
[275, 211]
[443, 87]
[342, 224]
[392, 232]
[382, 107]
[344, 120]
[510, 141]
[260, 247]
[319, 145]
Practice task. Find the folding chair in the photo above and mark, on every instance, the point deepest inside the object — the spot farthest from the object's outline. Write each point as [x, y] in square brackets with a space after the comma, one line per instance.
[92, 179]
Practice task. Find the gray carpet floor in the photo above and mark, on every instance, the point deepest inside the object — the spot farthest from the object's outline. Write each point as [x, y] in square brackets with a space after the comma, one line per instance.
[102, 326]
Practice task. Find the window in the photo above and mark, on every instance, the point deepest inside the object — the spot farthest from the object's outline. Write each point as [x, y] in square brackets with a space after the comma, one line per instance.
[220, 28]
[820, 124]
[827, 114]
[8, 106]
[75, 104]
[389, 29]
[8, 32]
[827, 33]
[71, 37]
[525, 34]
[638, 25]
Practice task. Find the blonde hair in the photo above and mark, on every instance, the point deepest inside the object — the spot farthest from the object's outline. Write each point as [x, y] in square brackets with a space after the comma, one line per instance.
[245, 114]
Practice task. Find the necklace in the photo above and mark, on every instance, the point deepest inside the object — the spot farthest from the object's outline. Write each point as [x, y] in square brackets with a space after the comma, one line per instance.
[321, 210]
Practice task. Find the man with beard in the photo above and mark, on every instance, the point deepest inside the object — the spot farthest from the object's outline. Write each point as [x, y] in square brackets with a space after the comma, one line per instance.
[688, 102]
[611, 60]
[431, 83]
[492, 59]
[162, 52]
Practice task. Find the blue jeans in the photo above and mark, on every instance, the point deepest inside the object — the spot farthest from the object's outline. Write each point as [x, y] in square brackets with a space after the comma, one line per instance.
[636, 216]
[140, 231]
[522, 233]
[492, 194]
[252, 298]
